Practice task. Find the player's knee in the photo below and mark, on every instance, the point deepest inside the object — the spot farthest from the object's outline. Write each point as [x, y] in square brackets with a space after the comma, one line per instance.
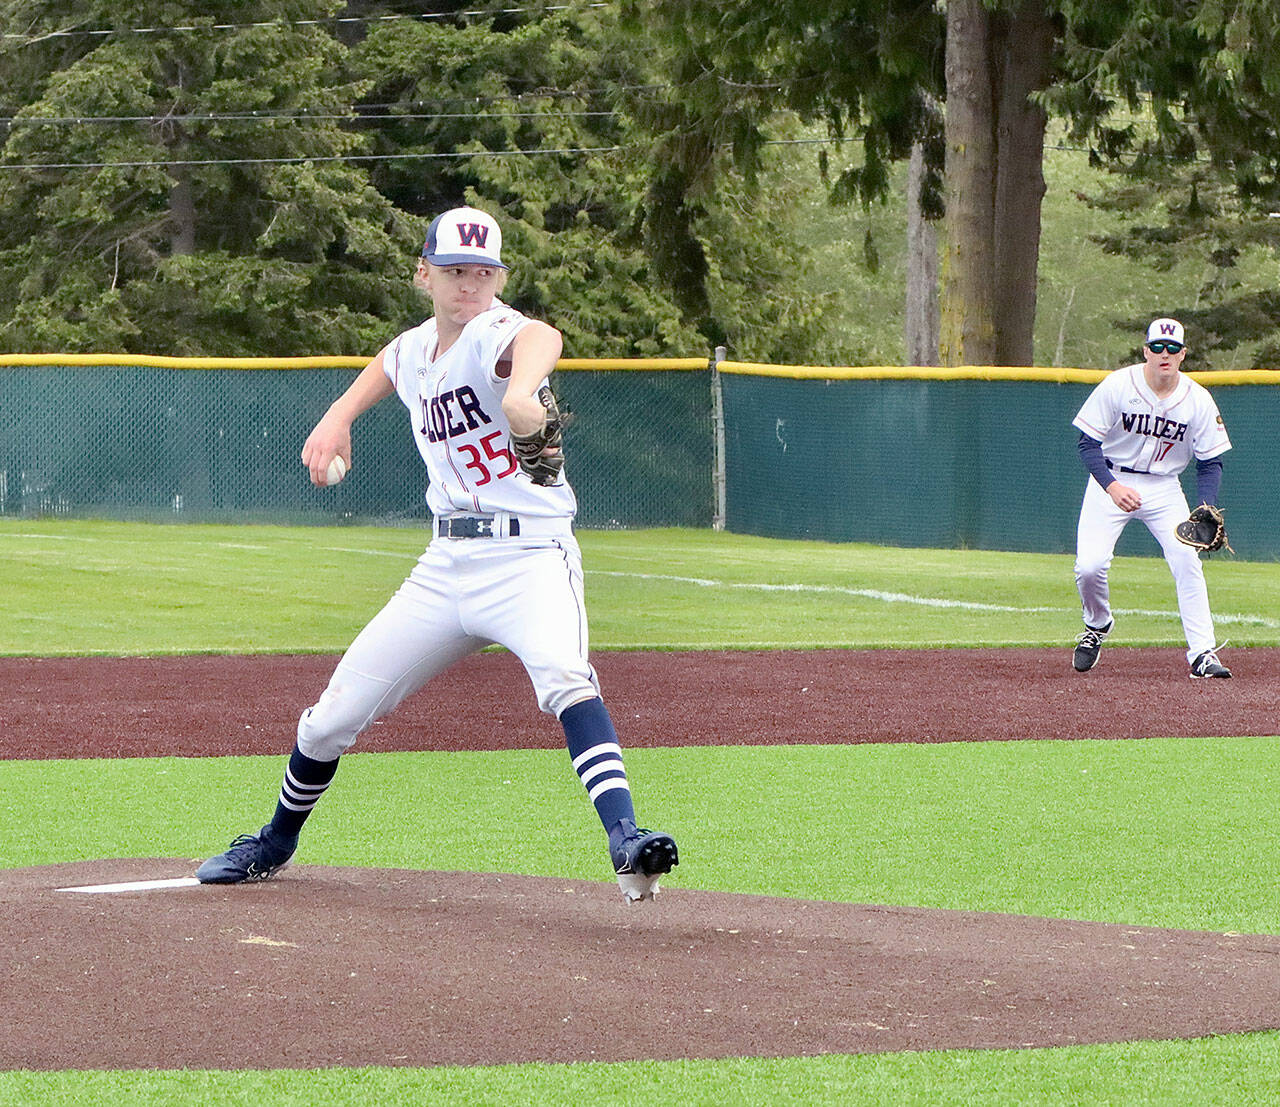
[1184, 561]
[555, 701]
[1091, 568]
[554, 696]
[329, 728]
[347, 708]
[318, 739]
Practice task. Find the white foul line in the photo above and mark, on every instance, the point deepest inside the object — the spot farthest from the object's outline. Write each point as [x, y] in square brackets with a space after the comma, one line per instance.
[922, 601]
[402, 554]
[136, 885]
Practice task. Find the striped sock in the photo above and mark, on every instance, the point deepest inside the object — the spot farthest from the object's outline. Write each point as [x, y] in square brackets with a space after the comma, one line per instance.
[305, 781]
[597, 759]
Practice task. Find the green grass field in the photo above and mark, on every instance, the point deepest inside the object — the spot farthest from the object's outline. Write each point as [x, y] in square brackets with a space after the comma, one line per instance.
[118, 588]
[1177, 832]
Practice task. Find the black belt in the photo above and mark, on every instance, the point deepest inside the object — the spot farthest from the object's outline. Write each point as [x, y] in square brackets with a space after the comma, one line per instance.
[1126, 469]
[474, 526]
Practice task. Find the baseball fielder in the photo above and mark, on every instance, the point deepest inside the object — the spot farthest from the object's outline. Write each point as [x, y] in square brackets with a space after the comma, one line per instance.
[1139, 429]
[503, 564]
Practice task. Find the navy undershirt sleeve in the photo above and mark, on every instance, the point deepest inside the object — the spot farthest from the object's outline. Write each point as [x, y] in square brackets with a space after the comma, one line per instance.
[1208, 480]
[1091, 455]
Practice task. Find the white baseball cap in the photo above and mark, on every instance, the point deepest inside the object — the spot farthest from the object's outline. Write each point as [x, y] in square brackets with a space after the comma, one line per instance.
[1166, 330]
[464, 236]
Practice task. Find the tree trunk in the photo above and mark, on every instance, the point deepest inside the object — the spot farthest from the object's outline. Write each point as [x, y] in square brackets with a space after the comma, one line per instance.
[182, 216]
[922, 272]
[968, 322]
[1026, 51]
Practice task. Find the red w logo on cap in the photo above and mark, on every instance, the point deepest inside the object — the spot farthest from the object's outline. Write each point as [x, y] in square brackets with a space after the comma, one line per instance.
[472, 234]
[1165, 328]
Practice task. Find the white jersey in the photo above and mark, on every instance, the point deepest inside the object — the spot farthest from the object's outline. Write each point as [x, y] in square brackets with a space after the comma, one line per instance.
[1143, 433]
[455, 405]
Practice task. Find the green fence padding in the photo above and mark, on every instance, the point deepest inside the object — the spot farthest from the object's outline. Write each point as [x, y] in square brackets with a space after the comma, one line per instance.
[898, 460]
[947, 463]
[197, 446]
[639, 450]
[205, 445]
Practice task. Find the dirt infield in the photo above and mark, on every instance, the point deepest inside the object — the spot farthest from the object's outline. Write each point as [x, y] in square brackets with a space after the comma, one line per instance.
[327, 966]
[207, 706]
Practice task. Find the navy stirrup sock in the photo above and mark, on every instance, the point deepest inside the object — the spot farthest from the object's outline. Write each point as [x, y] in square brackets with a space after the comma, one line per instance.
[305, 781]
[597, 759]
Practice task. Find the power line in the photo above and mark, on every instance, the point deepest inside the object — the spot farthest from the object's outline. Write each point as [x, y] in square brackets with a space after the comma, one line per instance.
[304, 160]
[437, 156]
[282, 23]
[366, 112]
[359, 116]
[1155, 154]
[10, 114]
[377, 157]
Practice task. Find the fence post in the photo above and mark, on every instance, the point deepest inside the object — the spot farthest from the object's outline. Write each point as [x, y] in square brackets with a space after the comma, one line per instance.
[717, 422]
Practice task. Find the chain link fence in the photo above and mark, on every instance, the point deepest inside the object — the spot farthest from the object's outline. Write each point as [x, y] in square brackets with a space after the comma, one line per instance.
[206, 442]
[972, 456]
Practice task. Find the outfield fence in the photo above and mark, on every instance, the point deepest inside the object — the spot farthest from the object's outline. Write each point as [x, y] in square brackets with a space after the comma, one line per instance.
[974, 456]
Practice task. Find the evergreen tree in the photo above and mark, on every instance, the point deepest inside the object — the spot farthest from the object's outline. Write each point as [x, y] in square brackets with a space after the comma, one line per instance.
[255, 178]
[1002, 68]
[195, 210]
[1195, 168]
[550, 112]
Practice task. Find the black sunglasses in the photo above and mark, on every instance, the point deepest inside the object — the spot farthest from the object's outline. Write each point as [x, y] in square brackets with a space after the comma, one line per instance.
[1160, 347]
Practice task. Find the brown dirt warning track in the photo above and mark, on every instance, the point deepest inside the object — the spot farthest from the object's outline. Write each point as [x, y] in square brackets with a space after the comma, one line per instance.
[333, 966]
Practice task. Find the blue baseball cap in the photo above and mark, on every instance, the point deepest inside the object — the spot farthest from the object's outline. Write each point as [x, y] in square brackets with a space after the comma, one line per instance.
[464, 236]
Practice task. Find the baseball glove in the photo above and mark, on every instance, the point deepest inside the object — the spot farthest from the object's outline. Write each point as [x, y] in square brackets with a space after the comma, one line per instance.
[1205, 529]
[541, 467]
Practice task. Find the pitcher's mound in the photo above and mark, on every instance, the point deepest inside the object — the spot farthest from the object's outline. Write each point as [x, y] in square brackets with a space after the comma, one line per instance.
[343, 966]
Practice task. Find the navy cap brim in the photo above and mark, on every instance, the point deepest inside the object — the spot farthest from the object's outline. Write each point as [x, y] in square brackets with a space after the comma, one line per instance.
[463, 259]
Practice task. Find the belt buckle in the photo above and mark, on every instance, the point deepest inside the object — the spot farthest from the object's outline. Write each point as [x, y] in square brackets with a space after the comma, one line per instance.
[468, 526]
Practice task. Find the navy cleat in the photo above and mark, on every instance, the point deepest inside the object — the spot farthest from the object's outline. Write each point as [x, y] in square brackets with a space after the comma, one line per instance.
[1208, 665]
[251, 857]
[1087, 648]
[640, 858]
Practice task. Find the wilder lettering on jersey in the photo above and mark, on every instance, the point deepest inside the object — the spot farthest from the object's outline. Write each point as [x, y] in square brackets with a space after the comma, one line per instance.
[1153, 426]
[439, 419]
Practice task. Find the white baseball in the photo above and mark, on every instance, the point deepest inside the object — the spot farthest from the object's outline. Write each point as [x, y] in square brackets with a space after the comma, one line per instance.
[336, 471]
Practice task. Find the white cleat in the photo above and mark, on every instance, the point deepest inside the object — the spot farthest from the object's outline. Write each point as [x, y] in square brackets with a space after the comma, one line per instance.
[640, 857]
[637, 888]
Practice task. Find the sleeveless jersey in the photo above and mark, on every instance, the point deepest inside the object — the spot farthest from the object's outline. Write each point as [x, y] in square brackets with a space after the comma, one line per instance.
[1146, 434]
[455, 405]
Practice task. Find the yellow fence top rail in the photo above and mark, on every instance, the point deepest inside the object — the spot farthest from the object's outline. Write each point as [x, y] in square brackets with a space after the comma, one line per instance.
[743, 368]
[164, 362]
[678, 363]
[971, 373]
[161, 362]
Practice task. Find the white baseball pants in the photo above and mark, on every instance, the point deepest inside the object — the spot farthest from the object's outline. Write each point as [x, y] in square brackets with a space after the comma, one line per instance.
[1163, 507]
[464, 593]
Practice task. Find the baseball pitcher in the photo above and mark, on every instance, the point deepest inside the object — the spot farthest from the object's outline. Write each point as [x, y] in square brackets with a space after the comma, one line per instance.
[503, 565]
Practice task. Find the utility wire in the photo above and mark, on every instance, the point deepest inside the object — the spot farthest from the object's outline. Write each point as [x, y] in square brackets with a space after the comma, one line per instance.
[303, 160]
[377, 157]
[10, 115]
[424, 156]
[267, 117]
[362, 113]
[281, 23]
[482, 154]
